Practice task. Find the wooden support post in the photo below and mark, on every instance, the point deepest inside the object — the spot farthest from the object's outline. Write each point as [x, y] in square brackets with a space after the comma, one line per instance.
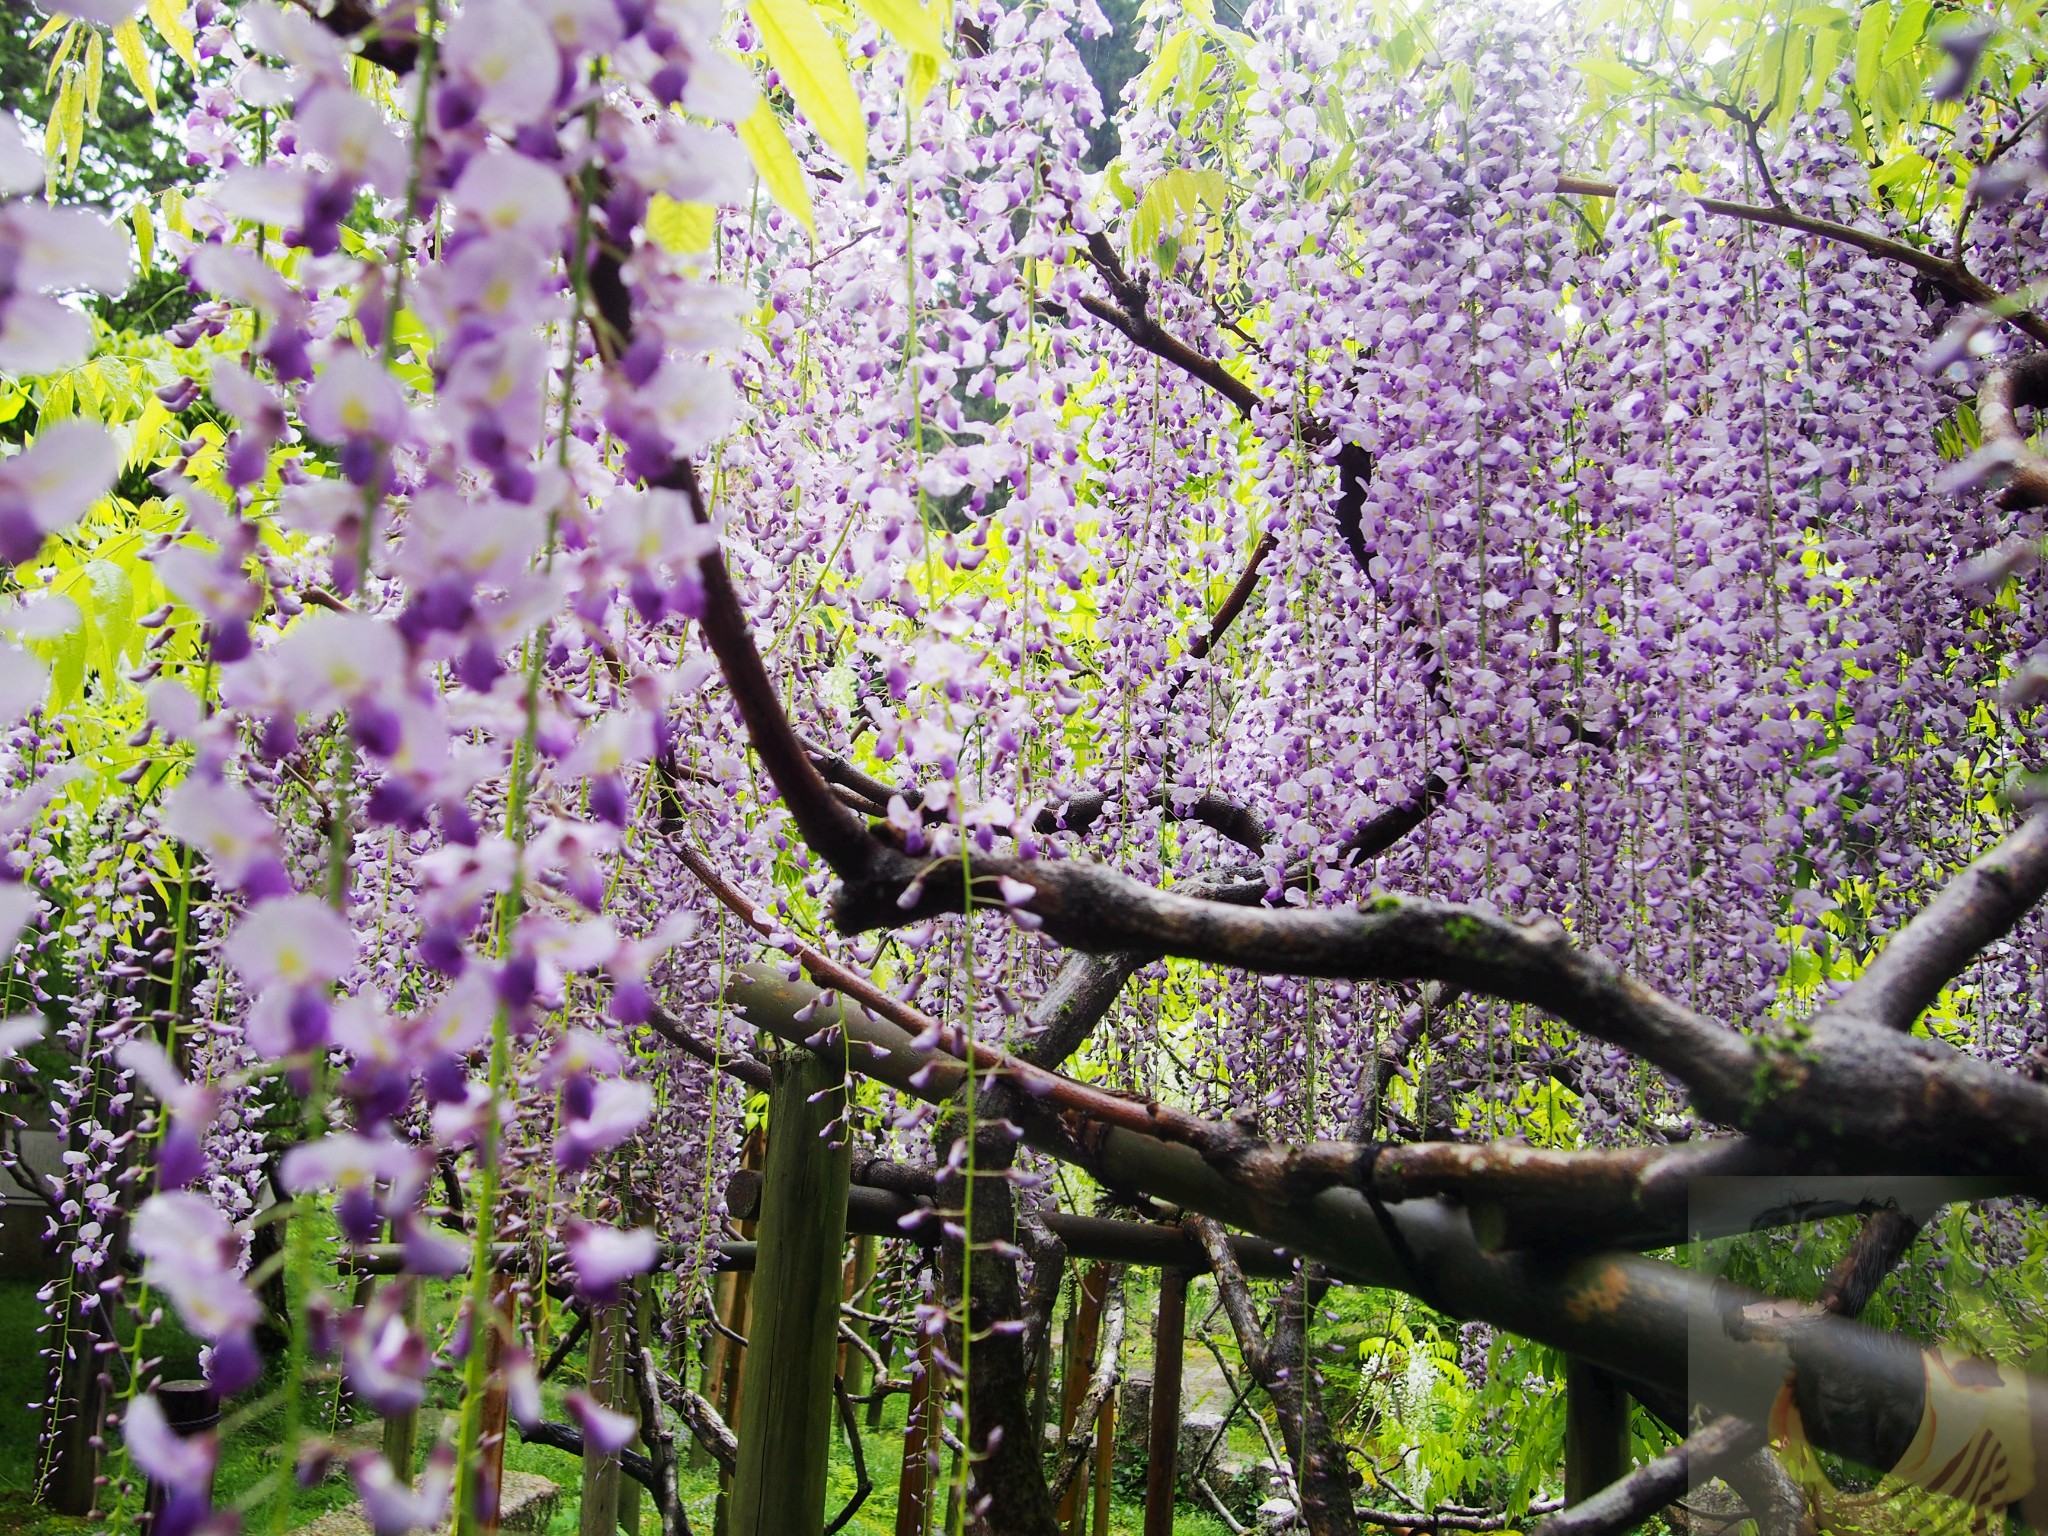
[785, 1428]
[190, 1409]
[1105, 1464]
[1083, 1335]
[1596, 1433]
[914, 1486]
[858, 1370]
[639, 1297]
[1169, 1339]
[497, 1408]
[402, 1430]
[76, 1419]
[600, 1512]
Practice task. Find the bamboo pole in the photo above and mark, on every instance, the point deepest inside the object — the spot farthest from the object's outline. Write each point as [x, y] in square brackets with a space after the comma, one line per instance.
[402, 1430]
[497, 1406]
[785, 1428]
[1105, 1462]
[914, 1485]
[1084, 1331]
[641, 1299]
[600, 1509]
[1169, 1340]
[854, 1364]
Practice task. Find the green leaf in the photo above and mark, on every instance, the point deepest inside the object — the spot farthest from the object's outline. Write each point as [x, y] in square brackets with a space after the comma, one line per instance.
[128, 43]
[71, 116]
[108, 600]
[681, 227]
[1609, 72]
[1171, 203]
[909, 23]
[95, 74]
[919, 79]
[813, 69]
[170, 26]
[66, 656]
[1906, 32]
[145, 234]
[1872, 33]
[776, 164]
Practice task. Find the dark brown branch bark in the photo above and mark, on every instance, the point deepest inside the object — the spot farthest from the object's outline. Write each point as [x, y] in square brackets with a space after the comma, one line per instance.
[1952, 275]
[655, 1434]
[1217, 812]
[1448, 1520]
[576, 1334]
[567, 1437]
[1131, 314]
[707, 1427]
[1978, 906]
[753, 1073]
[1083, 991]
[2022, 474]
[1234, 602]
[1006, 1489]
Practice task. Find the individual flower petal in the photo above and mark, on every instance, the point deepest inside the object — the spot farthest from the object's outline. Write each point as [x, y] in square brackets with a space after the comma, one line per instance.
[604, 1258]
[392, 1508]
[19, 1033]
[292, 941]
[21, 163]
[179, 1463]
[50, 484]
[604, 1431]
[61, 247]
[354, 398]
[224, 821]
[505, 56]
[354, 135]
[327, 659]
[40, 335]
[19, 905]
[507, 192]
[107, 13]
[241, 277]
[618, 1108]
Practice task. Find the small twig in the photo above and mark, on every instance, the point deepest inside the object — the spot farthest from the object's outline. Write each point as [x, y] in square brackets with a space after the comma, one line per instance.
[569, 1341]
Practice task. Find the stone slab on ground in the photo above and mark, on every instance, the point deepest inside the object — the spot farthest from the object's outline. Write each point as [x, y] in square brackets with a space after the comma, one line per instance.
[526, 1504]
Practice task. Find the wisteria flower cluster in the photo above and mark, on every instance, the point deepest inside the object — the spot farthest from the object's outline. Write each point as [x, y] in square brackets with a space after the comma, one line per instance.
[1321, 465]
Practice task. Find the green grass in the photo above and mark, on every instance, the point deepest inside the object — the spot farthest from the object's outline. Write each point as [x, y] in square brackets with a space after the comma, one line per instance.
[249, 1455]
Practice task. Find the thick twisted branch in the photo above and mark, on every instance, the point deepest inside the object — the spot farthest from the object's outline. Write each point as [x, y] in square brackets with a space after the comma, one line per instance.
[1978, 906]
[1951, 275]
[2020, 472]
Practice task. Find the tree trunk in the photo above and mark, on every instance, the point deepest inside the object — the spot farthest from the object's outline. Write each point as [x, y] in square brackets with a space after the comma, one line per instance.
[1295, 1387]
[603, 1378]
[1007, 1493]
